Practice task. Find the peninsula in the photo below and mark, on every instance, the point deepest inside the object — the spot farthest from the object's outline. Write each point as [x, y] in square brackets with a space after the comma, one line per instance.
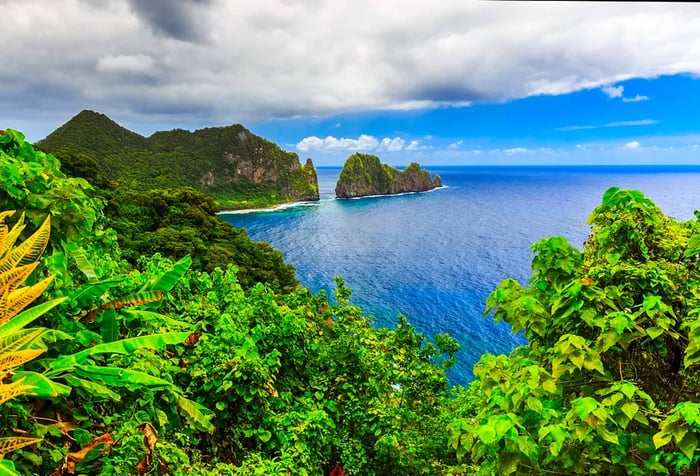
[365, 174]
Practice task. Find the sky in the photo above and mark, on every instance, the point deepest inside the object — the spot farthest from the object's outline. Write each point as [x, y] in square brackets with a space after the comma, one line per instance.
[436, 82]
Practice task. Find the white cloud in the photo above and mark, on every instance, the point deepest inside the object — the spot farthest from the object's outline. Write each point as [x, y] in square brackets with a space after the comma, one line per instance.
[362, 143]
[415, 145]
[455, 145]
[642, 122]
[637, 98]
[633, 145]
[391, 145]
[576, 128]
[126, 64]
[330, 143]
[217, 62]
[612, 91]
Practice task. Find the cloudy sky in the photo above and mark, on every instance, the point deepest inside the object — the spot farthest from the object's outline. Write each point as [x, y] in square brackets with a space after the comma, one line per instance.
[438, 82]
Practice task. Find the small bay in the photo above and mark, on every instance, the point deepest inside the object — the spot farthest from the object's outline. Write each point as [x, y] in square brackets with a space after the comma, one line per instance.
[435, 256]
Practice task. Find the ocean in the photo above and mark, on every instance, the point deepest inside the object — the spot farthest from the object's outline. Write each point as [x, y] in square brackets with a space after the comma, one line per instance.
[435, 256]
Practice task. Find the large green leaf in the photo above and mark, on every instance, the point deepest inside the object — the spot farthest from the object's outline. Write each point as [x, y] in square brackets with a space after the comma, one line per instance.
[693, 246]
[109, 325]
[584, 406]
[196, 412]
[42, 386]
[124, 346]
[96, 389]
[28, 316]
[81, 260]
[87, 292]
[154, 317]
[7, 468]
[122, 377]
[168, 279]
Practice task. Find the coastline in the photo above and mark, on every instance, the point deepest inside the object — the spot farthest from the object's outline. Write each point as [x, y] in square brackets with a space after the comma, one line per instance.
[393, 194]
[282, 206]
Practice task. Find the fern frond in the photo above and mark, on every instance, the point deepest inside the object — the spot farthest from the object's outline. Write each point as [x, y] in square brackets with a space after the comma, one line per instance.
[33, 247]
[13, 341]
[10, 360]
[12, 303]
[9, 240]
[10, 280]
[12, 390]
[5, 215]
[11, 443]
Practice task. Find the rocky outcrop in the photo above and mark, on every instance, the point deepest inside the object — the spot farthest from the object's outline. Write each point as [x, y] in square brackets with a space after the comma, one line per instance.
[364, 174]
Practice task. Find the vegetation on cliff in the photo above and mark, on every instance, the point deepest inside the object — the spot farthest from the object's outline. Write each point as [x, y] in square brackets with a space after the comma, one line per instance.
[158, 369]
[236, 167]
[365, 174]
[179, 222]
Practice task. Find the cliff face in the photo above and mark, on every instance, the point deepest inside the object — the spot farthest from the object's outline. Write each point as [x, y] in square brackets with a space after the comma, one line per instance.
[364, 174]
[230, 163]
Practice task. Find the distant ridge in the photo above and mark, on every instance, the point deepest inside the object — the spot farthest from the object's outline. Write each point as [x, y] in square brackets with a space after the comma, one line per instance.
[238, 168]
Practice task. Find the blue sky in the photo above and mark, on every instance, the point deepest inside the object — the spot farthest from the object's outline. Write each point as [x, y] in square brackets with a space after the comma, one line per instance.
[454, 82]
[635, 121]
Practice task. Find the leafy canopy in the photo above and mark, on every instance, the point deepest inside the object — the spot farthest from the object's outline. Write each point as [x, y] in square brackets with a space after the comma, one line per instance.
[608, 382]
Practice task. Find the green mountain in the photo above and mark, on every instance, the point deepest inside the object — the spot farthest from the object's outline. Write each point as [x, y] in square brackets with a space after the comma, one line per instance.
[236, 167]
[365, 174]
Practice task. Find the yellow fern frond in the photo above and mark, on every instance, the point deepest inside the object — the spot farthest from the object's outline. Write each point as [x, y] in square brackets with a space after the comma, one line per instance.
[12, 279]
[12, 303]
[12, 443]
[10, 360]
[35, 245]
[3, 235]
[30, 250]
[12, 390]
[5, 215]
[16, 340]
[4, 228]
[9, 240]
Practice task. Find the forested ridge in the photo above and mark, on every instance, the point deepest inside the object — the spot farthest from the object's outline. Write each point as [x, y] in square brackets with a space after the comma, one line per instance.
[237, 168]
[129, 350]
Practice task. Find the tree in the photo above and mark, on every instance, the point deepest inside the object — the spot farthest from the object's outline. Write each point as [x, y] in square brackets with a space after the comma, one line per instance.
[608, 381]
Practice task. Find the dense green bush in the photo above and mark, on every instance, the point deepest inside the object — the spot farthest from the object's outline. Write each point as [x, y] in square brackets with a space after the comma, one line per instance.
[608, 382]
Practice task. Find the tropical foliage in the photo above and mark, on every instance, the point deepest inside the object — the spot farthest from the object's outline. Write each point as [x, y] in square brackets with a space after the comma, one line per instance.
[148, 366]
[608, 381]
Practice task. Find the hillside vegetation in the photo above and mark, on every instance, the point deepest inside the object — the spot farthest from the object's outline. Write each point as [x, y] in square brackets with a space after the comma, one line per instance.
[154, 368]
[236, 167]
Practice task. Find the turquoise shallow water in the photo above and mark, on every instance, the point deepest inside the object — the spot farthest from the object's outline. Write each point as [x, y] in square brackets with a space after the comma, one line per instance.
[435, 256]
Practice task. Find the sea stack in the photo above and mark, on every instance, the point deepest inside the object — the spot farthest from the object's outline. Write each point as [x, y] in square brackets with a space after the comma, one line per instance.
[365, 174]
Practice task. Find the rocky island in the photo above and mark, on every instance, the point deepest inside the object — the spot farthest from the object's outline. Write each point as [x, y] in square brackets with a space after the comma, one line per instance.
[365, 174]
[236, 167]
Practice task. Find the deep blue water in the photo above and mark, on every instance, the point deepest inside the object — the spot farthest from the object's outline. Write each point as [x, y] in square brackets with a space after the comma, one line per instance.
[435, 256]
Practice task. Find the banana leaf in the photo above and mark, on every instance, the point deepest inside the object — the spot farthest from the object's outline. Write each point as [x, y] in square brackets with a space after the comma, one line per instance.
[124, 346]
[41, 386]
[29, 315]
[168, 279]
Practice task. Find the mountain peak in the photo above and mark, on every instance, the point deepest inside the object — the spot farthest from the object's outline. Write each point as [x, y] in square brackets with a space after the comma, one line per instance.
[90, 132]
